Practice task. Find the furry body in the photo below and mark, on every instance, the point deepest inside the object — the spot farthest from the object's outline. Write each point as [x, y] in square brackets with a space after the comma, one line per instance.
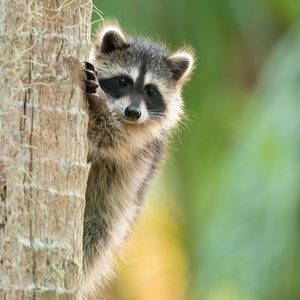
[133, 88]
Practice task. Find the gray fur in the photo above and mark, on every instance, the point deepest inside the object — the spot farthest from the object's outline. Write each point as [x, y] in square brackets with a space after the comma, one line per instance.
[124, 154]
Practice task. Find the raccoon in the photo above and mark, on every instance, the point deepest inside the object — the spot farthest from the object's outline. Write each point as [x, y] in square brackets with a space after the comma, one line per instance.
[133, 87]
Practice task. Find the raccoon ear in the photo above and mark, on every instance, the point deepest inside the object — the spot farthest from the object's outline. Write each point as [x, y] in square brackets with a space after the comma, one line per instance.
[112, 38]
[181, 64]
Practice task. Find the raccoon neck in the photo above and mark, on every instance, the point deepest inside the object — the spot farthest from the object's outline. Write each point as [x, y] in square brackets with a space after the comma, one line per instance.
[121, 143]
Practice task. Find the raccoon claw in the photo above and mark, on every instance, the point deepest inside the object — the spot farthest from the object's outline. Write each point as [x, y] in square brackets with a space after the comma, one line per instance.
[90, 84]
[91, 81]
[89, 66]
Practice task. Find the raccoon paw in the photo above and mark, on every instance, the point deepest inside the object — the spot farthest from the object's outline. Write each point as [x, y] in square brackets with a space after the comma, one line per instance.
[91, 82]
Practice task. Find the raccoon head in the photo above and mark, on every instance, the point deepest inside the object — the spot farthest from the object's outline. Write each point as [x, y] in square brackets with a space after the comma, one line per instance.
[141, 79]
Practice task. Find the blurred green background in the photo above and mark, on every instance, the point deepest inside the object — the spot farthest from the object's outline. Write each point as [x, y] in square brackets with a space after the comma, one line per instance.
[222, 220]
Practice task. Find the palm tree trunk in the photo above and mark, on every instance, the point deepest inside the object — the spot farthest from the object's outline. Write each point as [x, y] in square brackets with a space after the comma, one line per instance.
[43, 147]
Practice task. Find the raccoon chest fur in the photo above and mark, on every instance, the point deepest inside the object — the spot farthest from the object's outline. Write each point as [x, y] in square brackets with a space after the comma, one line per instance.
[114, 197]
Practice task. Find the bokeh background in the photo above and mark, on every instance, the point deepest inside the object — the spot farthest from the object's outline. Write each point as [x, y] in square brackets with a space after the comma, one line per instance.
[222, 220]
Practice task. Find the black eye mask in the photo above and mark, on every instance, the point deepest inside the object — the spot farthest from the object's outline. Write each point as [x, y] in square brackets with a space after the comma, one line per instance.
[117, 87]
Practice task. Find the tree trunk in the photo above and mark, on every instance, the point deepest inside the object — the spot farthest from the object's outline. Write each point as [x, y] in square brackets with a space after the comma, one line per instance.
[43, 147]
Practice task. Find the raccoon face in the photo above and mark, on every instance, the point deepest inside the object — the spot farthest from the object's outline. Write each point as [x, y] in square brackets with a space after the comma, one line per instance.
[142, 80]
[132, 98]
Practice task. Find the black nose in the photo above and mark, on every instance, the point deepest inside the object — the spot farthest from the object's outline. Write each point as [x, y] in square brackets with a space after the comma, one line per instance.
[133, 112]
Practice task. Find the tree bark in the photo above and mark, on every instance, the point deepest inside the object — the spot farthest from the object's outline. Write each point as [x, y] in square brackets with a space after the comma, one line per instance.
[43, 147]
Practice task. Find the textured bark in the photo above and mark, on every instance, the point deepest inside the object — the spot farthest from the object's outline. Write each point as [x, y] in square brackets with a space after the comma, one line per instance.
[43, 147]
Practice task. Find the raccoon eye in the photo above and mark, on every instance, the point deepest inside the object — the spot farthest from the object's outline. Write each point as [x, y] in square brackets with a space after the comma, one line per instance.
[123, 82]
[151, 91]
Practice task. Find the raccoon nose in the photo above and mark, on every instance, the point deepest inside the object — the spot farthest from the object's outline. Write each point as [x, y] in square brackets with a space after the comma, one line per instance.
[133, 112]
